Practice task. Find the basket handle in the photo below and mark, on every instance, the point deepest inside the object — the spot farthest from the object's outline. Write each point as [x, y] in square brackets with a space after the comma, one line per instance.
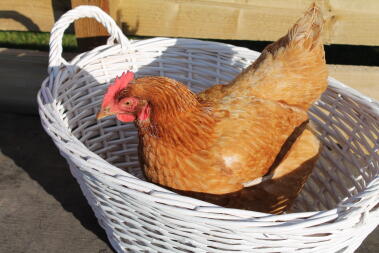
[83, 11]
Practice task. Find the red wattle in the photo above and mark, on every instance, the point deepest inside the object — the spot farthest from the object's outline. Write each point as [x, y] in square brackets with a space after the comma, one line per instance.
[125, 117]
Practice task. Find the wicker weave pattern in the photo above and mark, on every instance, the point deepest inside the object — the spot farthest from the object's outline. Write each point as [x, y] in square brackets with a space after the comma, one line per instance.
[334, 213]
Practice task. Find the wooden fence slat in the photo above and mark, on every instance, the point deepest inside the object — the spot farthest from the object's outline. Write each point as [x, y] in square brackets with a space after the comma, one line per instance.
[18, 15]
[88, 31]
[362, 78]
[35, 15]
[347, 21]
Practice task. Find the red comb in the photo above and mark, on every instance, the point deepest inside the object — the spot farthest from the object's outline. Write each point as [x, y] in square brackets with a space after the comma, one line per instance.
[119, 84]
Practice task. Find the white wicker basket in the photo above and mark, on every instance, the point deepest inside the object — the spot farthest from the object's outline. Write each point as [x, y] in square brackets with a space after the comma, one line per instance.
[336, 210]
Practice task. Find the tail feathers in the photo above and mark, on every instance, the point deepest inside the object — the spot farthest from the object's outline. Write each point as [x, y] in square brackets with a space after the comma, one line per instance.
[308, 28]
[291, 70]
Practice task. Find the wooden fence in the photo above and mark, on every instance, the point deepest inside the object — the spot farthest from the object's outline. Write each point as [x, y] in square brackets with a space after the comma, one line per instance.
[347, 22]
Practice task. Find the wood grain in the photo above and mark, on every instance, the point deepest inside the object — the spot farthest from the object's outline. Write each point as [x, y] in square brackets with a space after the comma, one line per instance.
[347, 21]
[362, 78]
[18, 15]
[88, 31]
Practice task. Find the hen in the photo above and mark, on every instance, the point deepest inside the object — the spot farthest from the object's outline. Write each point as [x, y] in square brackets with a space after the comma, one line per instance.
[241, 145]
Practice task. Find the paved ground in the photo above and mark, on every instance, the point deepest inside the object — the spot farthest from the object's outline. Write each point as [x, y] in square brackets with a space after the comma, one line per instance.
[41, 206]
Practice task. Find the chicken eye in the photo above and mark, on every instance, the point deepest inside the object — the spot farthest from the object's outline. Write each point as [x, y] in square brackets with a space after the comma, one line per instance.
[128, 102]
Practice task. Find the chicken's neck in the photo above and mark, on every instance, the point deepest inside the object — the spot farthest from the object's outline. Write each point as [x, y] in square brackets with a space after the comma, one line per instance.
[176, 118]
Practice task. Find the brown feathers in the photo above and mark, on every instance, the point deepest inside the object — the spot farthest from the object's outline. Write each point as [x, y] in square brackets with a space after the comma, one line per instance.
[291, 70]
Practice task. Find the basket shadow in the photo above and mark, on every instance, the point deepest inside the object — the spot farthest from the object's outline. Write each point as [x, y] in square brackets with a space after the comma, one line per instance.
[22, 19]
[23, 139]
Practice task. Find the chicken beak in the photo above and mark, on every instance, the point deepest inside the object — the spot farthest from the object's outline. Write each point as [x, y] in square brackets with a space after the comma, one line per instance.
[103, 114]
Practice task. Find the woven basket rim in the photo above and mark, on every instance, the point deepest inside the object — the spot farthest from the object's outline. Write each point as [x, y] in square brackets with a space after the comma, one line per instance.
[110, 173]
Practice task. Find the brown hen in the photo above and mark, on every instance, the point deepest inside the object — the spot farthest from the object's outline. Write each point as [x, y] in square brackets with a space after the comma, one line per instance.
[242, 145]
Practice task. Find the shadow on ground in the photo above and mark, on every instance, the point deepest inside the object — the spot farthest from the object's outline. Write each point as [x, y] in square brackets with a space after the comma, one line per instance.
[23, 140]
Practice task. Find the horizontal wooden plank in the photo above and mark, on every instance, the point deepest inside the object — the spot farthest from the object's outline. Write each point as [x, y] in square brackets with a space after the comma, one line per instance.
[347, 21]
[362, 78]
[22, 72]
[36, 15]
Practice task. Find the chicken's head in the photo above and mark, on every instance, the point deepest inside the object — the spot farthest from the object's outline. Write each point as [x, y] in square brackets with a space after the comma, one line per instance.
[117, 102]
